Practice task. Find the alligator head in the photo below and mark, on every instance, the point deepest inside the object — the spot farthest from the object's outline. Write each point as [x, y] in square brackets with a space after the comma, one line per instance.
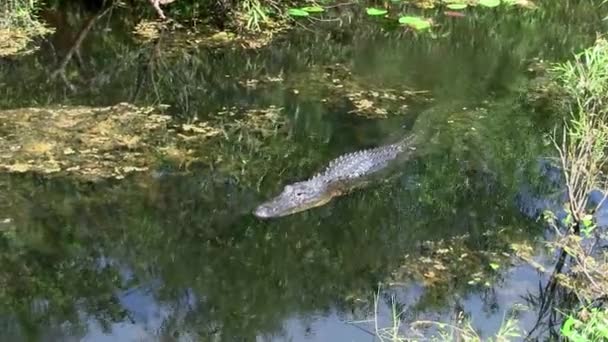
[295, 198]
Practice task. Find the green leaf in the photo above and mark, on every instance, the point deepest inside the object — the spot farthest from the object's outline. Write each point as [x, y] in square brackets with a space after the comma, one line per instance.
[567, 327]
[375, 11]
[588, 220]
[416, 23]
[456, 6]
[296, 12]
[494, 266]
[489, 3]
[313, 9]
[568, 220]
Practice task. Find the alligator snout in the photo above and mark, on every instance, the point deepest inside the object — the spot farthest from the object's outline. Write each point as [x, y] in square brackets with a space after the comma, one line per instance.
[263, 212]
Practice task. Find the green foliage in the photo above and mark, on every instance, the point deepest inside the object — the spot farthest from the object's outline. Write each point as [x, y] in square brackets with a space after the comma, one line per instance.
[582, 153]
[372, 11]
[255, 13]
[585, 80]
[587, 225]
[489, 3]
[416, 23]
[456, 6]
[305, 11]
[250, 275]
[584, 140]
[588, 325]
[297, 12]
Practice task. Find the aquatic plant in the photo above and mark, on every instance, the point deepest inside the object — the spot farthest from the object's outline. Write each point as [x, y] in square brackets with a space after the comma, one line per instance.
[584, 137]
[255, 13]
[586, 325]
[461, 329]
[19, 25]
[582, 147]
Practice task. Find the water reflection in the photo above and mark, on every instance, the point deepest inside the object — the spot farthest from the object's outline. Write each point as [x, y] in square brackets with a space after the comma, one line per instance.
[170, 256]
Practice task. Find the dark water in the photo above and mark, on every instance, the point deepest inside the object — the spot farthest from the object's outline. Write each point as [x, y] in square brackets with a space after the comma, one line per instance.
[179, 257]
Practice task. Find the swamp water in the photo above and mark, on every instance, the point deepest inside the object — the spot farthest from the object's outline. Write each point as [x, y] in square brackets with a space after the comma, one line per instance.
[173, 252]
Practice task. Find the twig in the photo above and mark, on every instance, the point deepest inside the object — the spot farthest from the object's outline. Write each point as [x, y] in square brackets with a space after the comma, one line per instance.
[156, 5]
[60, 71]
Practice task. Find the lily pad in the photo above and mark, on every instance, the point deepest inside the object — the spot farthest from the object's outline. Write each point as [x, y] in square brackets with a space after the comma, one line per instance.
[416, 23]
[489, 3]
[296, 12]
[313, 9]
[457, 6]
[376, 11]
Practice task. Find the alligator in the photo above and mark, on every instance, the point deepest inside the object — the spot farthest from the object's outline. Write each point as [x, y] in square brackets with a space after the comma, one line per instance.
[343, 175]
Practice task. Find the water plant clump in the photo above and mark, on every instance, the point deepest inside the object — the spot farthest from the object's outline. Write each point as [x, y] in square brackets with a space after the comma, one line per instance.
[19, 26]
[339, 86]
[93, 143]
[582, 146]
[87, 142]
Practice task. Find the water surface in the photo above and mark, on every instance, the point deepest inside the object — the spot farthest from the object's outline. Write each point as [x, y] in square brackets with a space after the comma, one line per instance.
[174, 256]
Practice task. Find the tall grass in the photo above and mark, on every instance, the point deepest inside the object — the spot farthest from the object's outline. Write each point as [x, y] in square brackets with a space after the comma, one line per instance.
[584, 137]
[459, 331]
[583, 155]
[255, 14]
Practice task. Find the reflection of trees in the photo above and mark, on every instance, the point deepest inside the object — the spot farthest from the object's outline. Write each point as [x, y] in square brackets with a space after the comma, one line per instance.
[195, 234]
[51, 266]
[75, 47]
[193, 79]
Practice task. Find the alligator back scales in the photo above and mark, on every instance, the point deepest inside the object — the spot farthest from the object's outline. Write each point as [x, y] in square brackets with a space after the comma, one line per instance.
[342, 175]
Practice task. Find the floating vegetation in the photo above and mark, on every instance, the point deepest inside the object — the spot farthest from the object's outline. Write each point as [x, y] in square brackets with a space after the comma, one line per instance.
[305, 11]
[88, 142]
[375, 11]
[417, 23]
[253, 83]
[179, 38]
[93, 143]
[443, 263]
[462, 4]
[336, 83]
[375, 104]
[147, 31]
[265, 121]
